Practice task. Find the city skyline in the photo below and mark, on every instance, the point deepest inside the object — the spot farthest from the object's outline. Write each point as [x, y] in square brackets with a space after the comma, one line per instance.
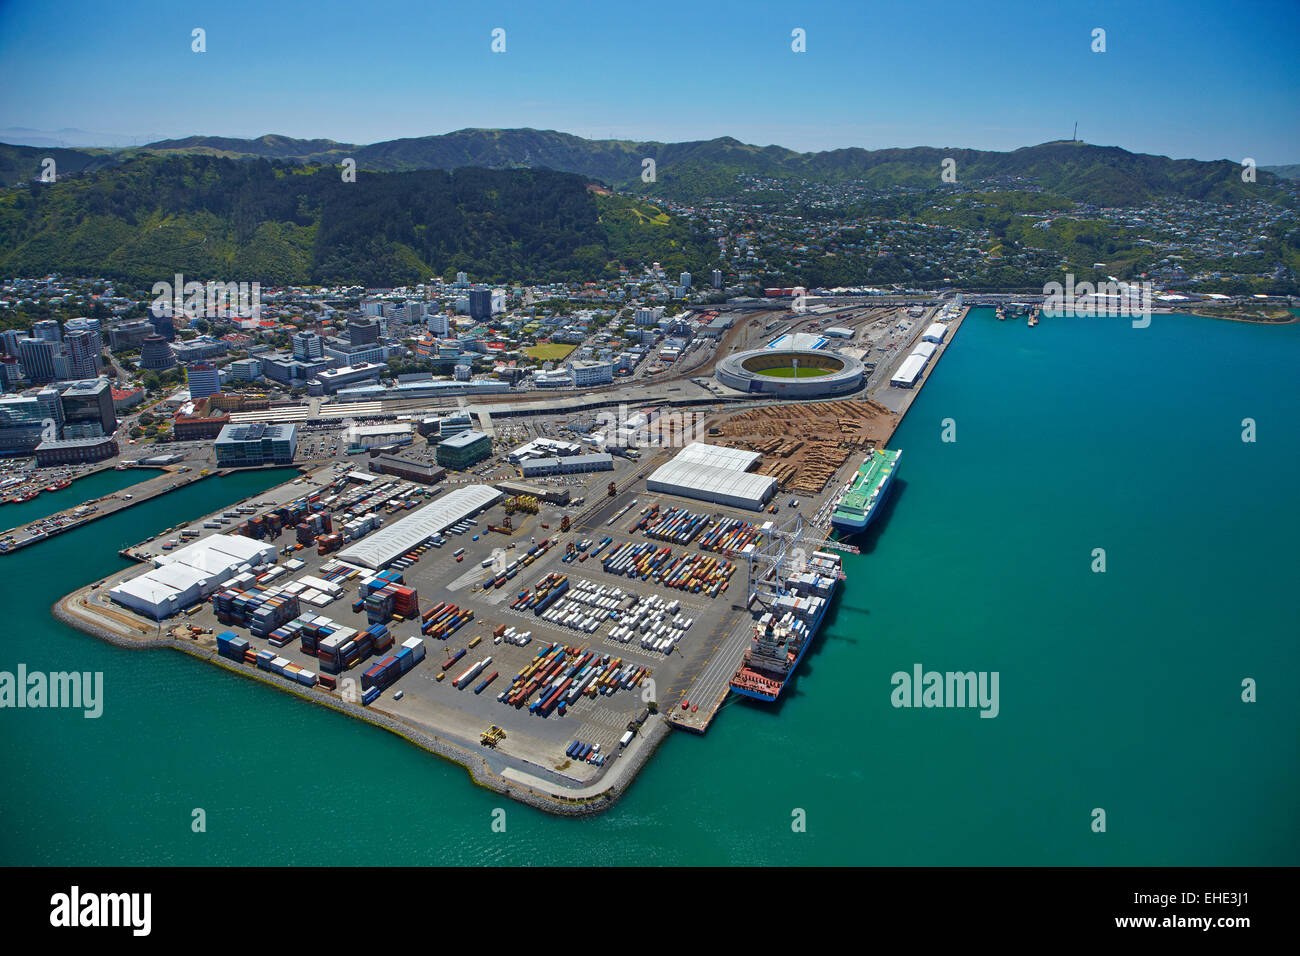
[876, 79]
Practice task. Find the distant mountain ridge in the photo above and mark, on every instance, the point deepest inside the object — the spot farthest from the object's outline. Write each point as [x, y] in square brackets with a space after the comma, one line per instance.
[690, 171]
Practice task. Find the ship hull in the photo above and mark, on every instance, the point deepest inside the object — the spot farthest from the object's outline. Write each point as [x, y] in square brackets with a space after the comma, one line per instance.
[856, 524]
[814, 630]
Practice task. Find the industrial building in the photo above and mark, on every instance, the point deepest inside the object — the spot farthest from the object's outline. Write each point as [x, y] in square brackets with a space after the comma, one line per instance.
[373, 436]
[256, 445]
[909, 371]
[190, 574]
[714, 473]
[570, 465]
[388, 544]
[838, 332]
[543, 448]
[935, 333]
[926, 350]
[464, 449]
[412, 469]
[548, 493]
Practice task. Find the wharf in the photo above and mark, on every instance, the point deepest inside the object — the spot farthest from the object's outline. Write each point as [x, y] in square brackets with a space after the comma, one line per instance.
[707, 690]
[146, 490]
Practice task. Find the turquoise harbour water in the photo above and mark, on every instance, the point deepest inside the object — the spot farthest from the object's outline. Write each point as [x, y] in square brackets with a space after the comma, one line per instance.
[82, 490]
[1119, 691]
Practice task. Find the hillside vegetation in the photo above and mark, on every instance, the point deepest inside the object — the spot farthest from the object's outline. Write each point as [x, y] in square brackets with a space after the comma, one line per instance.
[282, 223]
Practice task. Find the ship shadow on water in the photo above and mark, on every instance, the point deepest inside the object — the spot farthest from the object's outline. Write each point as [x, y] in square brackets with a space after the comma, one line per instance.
[866, 543]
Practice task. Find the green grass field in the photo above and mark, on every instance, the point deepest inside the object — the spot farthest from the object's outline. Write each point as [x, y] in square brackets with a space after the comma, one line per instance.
[551, 352]
[791, 372]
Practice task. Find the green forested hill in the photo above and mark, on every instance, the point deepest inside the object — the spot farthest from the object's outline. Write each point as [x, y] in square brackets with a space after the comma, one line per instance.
[286, 223]
[1102, 175]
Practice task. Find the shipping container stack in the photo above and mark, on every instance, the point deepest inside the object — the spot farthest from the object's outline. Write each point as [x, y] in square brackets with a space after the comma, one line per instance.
[231, 645]
[294, 672]
[327, 543]
[345, 647]
[260, 610]
[286, 633]
[382, 603]
[444, 619]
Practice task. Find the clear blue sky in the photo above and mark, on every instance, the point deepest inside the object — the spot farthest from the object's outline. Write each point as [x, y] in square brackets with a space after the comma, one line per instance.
[1195, 79]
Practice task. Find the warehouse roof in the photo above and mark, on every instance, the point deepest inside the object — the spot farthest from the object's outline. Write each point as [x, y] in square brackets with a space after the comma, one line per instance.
[737, 459]
[401, 536]
[219, 551]
[910, 369]
[715, 471]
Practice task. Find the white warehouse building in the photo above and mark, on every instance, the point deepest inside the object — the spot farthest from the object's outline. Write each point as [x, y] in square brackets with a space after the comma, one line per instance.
[714, 473]
[935, 333]
[190, 574]
[381, 548]
[909, 371]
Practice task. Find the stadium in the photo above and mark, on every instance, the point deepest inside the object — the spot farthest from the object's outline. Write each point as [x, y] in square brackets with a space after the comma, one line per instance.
[791, 373]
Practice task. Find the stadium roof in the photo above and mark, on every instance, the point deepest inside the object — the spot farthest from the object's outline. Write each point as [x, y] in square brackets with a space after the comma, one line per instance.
[383, 546]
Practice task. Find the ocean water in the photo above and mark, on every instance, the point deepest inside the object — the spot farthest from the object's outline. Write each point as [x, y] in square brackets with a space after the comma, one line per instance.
[1119, 691]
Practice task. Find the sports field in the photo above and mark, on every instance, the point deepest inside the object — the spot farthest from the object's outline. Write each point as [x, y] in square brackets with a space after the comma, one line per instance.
[550, 352]
[788, 371]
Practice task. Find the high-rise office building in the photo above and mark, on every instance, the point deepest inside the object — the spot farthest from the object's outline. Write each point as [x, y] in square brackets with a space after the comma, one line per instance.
[37, 357]
[89, 326]
[480, 302]
[9, 340]
[129, 335]
[439, 324]
[163, 325]
[47, 329]
[90, 403]
[307, 346]
[204, 379]
[11, 373]
[363, 333]
[83, 357]
[21, 424]
[51, 403]
[685, 280]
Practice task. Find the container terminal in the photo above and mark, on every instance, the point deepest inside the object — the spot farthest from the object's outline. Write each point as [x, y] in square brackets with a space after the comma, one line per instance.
[542, 627]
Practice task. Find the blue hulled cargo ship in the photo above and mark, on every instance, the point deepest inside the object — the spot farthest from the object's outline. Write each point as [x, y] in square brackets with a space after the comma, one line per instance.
[787, 627]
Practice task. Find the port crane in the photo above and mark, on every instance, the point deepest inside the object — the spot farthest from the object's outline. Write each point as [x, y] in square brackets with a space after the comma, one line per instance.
[783, 545]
